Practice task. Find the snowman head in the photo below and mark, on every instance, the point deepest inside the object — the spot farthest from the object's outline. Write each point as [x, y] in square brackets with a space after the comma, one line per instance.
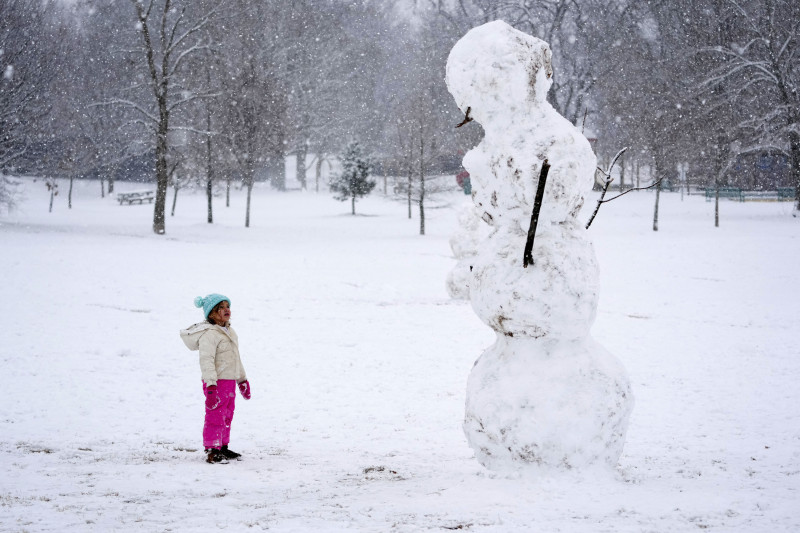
[496, 70]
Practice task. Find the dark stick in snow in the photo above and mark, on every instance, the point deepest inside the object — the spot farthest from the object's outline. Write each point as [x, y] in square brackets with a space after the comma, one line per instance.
[467, 118]
[527, 256]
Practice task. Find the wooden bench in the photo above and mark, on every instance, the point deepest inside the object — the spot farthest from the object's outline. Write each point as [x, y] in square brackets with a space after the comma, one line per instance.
[136, 197]
[786, 193]
[725, 192]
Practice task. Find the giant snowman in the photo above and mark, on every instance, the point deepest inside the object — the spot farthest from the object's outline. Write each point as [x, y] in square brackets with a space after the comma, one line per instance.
[545, 395]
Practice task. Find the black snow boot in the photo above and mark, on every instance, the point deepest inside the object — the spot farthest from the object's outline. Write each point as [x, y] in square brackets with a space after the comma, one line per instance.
[230, 454]
[215, 455]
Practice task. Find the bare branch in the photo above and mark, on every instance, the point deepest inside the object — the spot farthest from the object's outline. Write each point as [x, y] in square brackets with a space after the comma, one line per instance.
[607, 174]
[191, 98]
[197, 26]
[147, 125]
[195, 130]
[150, 5]
[126, 103]
[176, 65]
[629, 190]
[174, 29]
[163, 29]
[613, 162]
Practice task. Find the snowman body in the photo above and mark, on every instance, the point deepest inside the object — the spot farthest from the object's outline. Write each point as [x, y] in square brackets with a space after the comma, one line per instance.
[545, 394]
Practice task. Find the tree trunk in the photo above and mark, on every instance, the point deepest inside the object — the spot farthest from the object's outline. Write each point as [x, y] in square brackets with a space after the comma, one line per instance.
[228, 192]
[686, 180]
[112, 172]
[655, 211]
[353, 205]
[209, 167]
[162, 174]
[637, 175]
[723, 155]
[300, 158]
[422, 209]
[622, 172]
[52, 194]
[421, 186]
[318, 171]
[794, 150]
[69, 194]
[174, 200]
[249, 179]
[247, 209]
[410, 183]
[209, 195]
[102, 187]
[277, 172]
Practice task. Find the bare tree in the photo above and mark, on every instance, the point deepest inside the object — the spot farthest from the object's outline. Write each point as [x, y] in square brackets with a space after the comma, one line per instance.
[762, 73]
[26, 69]
[329, 67]
[404, 157]
[251, 129]
[168, 38]
[645, 97]
[418, 147]
[82, 139]
[580, 34]
[253, 109]
[419, 132]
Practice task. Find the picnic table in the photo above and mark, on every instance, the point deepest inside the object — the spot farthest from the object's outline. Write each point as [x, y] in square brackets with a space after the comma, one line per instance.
[136, 197]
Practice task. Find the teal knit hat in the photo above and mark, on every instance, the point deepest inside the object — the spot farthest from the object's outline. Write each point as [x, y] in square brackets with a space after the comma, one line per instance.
[209, 302]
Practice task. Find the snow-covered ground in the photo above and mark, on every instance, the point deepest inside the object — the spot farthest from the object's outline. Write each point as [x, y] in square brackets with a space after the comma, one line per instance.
[358, 362]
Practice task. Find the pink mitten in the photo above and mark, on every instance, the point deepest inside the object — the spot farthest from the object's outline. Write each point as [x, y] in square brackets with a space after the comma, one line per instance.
[244, 388]
[212, 397]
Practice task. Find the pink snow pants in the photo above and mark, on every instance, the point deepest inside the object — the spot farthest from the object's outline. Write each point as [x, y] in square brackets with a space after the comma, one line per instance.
[217, 427]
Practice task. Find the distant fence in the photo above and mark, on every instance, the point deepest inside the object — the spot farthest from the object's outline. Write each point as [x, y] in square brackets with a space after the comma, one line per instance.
[781, 194]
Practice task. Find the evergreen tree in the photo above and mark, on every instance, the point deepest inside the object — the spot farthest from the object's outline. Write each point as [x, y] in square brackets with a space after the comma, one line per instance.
[353, 182]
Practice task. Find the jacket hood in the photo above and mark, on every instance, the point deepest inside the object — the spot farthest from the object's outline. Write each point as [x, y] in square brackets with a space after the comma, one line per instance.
[191, 335]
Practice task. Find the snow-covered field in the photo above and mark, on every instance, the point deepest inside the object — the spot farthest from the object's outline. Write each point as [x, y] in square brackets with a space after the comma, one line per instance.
[358, 362]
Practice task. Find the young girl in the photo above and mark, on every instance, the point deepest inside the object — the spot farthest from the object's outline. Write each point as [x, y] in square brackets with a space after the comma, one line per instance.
[221, 370]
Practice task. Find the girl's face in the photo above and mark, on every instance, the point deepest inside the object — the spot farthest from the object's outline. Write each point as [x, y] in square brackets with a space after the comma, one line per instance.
[221, 315]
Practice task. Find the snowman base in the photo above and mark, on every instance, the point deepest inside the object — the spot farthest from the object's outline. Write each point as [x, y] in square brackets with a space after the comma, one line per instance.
[547, 404]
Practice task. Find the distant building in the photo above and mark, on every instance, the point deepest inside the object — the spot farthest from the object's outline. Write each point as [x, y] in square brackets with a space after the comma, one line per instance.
[766, 170]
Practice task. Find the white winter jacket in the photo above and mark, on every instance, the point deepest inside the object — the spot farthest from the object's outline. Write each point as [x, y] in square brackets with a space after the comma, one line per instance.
[219, 352]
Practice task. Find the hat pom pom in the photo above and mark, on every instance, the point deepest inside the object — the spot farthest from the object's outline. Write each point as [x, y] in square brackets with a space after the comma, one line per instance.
[198, 301]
